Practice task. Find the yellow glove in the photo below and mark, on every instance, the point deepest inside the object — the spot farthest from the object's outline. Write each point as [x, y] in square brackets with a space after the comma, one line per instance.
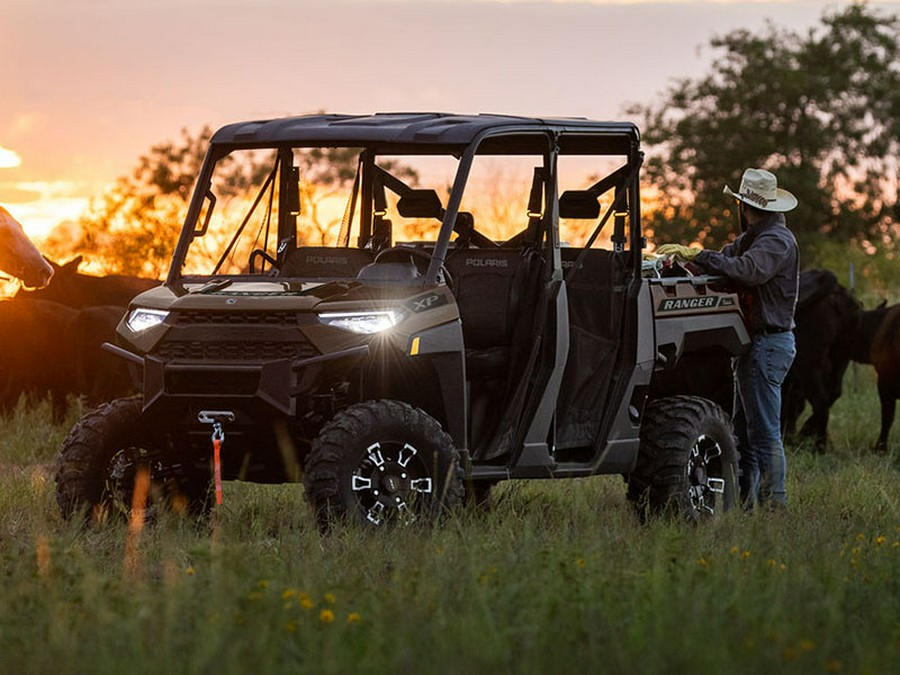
[679, 251]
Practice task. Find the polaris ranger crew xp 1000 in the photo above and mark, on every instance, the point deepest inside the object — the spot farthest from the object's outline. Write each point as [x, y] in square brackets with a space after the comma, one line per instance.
[401, 310]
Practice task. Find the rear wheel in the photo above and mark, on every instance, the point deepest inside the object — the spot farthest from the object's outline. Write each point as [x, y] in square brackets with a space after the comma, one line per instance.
[382, 462]
[107, 454]
[688, 460]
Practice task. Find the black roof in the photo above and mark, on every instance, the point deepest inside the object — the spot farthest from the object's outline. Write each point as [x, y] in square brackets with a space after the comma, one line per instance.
[404, 128]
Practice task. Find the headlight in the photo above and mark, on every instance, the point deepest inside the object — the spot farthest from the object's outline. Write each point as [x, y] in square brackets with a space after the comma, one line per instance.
[141, 319]
[361, 322]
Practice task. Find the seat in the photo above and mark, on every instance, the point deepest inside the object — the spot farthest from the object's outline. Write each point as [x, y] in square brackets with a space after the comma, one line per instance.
[325, 262]
[495, 291]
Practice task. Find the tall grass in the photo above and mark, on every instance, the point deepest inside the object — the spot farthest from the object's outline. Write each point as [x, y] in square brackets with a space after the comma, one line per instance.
[556, 577]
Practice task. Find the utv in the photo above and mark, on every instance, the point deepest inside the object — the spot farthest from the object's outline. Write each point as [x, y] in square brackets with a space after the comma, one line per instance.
[401, 310]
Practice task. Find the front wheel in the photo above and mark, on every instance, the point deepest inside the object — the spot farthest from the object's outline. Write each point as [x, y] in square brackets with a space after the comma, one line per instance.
[382, 462]
[688, 460]
[107, 454]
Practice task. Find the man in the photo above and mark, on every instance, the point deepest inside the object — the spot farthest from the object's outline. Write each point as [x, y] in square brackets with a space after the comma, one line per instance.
[763, 263]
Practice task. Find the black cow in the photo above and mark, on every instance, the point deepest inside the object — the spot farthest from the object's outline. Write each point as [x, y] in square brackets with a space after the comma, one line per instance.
[70, 287]
[828, 317]
[34, 359]
[98, 376]
[49, 349]
[84, 314]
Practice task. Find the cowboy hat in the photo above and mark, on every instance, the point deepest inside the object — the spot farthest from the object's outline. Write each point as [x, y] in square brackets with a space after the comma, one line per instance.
[759, 188]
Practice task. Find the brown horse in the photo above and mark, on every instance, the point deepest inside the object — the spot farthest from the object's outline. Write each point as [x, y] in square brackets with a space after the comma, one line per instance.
[18, 256]
[877, 342]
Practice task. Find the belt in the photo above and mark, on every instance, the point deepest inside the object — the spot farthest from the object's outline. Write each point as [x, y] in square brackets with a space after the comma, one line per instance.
[771, 330]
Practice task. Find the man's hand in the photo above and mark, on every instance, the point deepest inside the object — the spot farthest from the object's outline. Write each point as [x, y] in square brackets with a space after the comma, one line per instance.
[679, 251]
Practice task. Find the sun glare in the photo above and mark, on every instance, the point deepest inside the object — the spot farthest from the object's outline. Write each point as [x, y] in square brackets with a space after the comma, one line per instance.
[39, 217]
[9, 159]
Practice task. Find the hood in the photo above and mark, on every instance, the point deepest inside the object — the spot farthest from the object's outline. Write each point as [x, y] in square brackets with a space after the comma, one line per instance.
[235, 295]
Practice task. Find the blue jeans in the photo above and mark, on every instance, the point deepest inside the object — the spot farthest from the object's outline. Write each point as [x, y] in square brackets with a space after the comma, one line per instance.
[758, 375]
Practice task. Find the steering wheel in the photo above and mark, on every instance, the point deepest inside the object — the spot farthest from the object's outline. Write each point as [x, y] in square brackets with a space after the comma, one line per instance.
[417, 256]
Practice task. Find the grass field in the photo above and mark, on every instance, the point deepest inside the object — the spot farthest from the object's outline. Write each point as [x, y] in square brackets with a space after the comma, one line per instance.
[558, 577]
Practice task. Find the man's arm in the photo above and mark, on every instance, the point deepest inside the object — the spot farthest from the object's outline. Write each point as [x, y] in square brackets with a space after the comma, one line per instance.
[756, 266]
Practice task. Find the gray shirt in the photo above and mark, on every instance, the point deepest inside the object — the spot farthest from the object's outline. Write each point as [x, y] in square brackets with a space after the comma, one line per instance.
[763, 263]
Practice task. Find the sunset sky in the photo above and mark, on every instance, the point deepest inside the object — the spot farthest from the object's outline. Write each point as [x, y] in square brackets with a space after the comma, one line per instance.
[88, 86]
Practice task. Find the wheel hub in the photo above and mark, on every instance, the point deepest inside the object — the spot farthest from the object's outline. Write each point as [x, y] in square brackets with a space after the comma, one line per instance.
[704, 474]
[390, 482]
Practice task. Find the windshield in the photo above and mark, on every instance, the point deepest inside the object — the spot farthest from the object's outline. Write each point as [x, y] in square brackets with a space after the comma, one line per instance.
[262, 205]
[327, 212]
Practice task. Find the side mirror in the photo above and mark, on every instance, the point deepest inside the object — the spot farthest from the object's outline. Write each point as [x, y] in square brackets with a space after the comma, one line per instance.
[420, 204]
[579, 204]
[292, 198]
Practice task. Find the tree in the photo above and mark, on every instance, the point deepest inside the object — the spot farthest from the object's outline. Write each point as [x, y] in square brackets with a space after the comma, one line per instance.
[133, 227]
[820, 110]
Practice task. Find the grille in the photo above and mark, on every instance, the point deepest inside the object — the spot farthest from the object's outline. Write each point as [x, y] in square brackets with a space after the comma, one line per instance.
[193, 318]
[227, 350]
[196, 337]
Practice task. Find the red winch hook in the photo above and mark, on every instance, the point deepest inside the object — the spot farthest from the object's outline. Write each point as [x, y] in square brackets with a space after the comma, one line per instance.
[217, 418]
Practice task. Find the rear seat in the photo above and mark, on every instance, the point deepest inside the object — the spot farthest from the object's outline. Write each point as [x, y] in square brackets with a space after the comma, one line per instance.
[325, 262]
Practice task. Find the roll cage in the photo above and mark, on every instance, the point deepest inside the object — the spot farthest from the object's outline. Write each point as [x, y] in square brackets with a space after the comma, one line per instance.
[464, 137]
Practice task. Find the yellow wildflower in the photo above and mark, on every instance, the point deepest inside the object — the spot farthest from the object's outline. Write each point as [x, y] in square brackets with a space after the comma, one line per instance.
[354, 617]
[326, 616]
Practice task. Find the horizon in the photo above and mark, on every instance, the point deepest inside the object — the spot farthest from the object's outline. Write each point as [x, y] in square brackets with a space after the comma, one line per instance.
[92, 87]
